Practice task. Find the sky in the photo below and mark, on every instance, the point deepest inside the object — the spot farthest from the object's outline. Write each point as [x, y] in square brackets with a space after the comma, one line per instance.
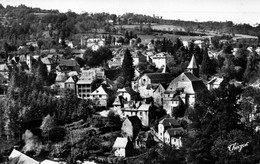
[238, 11]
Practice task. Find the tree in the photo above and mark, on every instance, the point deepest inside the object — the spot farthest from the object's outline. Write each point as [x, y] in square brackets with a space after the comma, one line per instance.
[127, 66]
[217, 124]
[40, 43]
[47, 124]
[207, 66]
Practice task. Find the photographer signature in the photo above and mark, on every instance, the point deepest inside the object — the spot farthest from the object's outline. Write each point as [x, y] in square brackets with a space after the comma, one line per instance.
[236, 146]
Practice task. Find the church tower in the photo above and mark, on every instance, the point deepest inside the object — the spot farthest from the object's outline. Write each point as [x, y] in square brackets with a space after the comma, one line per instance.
[193, 67]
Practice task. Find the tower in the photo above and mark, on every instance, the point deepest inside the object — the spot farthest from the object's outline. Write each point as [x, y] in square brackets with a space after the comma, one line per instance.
[193, 67]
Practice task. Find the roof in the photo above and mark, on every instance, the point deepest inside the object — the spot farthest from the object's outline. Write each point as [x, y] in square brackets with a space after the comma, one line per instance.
[191, 77]
[175, 131]
[120, 142]
[46, 161]
[169, 122]
[68, 62]
[61, 77]
[216, 80]
[193, 63]
[99, 91]
[160, 77]
[130, 91]
[22, 158]
[46, 61]
[144, 107]
[85, 81]
[134, 120]
[73, 73]
[70, 80]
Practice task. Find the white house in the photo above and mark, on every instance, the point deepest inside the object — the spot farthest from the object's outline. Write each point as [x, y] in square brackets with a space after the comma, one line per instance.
[159, 60]
[214, 83]
[122, 147]
[140, 110]
[172, 137]
[165, 124]
[100, 96]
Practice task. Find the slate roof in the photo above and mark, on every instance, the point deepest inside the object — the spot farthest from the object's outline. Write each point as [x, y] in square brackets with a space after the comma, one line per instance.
[120, 142]
[189, 82]
[191, 77]
[175, 131]
[216, 80]
[192, 64]
[68, 62]
[135, 120]
[167, 122]
[160, 77]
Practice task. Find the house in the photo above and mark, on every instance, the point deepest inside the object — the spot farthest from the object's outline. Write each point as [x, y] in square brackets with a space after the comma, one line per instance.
[131, 127]
[4, 71]
[122, 147]
[127, 93]
[172, 100]
[165, 124]
[21, 158]
[67, 65]
[172, 136]
[100, 96]
[96, 73]
[159, 59]
[158, 94]
[49, 63]
[70, 83]
[214, 83]
[144, 139]
[60, 80]
[148, 81]
[187, 84]
[84, 87]
[137, 109]
[93, 41]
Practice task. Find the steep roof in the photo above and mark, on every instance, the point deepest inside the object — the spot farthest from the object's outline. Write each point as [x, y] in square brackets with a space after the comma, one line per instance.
[134, 120]
[120, 142]
[190, 76]
[99, 91]
[22, 158]
[175, 131]
[68, 62]
[216, 80]
[192, 64]
[170, 122]
[160, 77]
[70, 80]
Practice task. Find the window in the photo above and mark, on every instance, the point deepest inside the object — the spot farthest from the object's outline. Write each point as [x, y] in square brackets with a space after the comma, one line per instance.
[100, 96]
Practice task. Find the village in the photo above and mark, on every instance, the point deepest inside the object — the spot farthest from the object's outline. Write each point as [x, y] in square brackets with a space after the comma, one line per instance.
[133, 94]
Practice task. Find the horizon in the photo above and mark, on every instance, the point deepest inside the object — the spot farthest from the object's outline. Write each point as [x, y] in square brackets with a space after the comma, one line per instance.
[237, 11]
